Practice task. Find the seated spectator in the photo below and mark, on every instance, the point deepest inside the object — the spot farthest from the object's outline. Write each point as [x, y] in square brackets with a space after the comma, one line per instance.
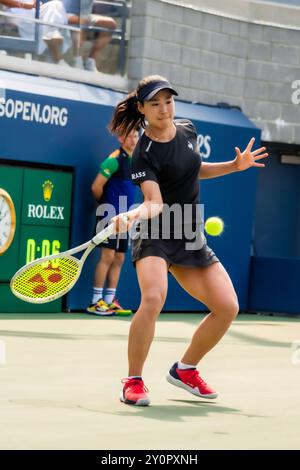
[80, 13]
[57, 40]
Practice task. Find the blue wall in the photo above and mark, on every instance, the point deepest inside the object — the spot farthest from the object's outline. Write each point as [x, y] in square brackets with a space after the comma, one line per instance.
[277, 213]
[84, 141]
[275, 266]
[274, 285]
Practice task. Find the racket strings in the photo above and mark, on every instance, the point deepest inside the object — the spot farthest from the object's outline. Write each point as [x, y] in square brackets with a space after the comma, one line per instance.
[47, 278]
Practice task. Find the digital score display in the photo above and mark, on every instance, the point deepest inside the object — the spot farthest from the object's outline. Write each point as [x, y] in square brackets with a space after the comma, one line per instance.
[37, 242]
[48, 247]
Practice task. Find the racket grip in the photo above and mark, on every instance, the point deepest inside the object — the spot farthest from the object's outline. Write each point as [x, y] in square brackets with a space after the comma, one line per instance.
[107, 232]
[104, 234]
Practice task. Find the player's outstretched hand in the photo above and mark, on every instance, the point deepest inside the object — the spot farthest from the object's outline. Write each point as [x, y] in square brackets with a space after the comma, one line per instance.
[249, 158]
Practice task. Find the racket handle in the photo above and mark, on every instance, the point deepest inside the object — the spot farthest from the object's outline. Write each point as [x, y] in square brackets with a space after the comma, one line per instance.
[107, 232]
[104, 234]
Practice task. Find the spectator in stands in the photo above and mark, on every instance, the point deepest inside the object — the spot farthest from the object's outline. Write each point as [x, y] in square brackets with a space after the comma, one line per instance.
[57, 40]
[80, 12]
[113, 181]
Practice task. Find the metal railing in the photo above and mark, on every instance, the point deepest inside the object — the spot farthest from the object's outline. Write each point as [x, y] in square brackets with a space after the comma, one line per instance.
[119, 34]
[20, 44]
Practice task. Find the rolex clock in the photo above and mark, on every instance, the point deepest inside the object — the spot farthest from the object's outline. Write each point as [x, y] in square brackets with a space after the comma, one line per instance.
[7, 221]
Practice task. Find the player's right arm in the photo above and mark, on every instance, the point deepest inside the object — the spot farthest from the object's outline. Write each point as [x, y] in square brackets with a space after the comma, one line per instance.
[153, 203]
[144, 175]
[151, 207]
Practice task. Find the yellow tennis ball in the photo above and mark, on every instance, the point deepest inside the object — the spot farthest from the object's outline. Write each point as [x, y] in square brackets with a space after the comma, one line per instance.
[214, 226]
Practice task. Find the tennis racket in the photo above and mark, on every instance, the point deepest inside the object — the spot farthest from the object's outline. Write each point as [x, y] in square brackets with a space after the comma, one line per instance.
[50, 277]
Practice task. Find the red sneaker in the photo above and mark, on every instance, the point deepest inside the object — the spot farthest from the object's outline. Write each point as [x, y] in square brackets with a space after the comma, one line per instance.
[134, 392]
[190, 380]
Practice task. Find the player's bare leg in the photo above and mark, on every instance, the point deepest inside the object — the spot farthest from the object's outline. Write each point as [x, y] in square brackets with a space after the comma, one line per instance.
[212, 286]
[153, 280]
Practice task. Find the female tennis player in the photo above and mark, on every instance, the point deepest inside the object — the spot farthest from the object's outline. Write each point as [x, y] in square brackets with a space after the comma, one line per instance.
[167, 165]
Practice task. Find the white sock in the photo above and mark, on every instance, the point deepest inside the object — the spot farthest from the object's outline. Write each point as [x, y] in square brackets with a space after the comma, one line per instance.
[182, 366]
[109, 295]
[97, 294]
[134, 377]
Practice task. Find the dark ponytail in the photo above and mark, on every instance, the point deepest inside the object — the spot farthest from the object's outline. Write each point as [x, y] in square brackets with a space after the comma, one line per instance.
[126, 116]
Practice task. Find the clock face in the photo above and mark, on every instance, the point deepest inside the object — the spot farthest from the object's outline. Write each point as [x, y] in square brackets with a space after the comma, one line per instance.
[7, 221]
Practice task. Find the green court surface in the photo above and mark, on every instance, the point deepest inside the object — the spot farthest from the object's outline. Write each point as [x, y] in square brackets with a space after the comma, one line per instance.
[60, 383]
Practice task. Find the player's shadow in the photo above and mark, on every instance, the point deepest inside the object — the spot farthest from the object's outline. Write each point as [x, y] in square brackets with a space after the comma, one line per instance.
[79, 337]
[177, 412]
[247, 338]
[185, 408]
[41, 335]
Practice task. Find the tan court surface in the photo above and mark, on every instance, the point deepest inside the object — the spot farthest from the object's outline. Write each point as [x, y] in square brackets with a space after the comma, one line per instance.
[61, 382]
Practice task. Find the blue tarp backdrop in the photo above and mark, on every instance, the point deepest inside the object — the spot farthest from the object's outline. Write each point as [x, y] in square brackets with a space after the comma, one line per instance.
[59, 123]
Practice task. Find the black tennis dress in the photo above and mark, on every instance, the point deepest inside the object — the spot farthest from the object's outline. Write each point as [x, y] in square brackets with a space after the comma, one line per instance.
[175, 234]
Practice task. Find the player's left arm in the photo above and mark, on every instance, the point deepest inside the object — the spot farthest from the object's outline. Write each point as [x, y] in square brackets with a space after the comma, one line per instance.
[243, 161]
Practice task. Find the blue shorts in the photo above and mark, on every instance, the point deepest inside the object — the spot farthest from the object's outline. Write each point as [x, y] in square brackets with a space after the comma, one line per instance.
[120, 245]
[118, 242]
